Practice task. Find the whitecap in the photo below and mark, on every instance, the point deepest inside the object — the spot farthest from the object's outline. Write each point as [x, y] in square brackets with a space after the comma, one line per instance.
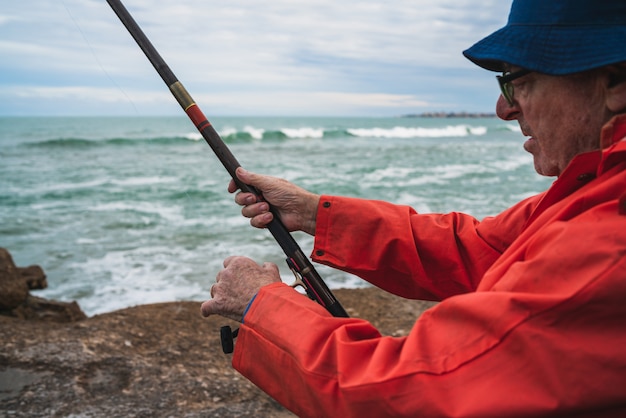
[193, 136]
[303, 133]
[143, 181]
[254, 132]
[419, 132]
[170, 213]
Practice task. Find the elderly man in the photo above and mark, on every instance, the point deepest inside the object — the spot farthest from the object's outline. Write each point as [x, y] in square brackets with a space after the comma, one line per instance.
[533, 301]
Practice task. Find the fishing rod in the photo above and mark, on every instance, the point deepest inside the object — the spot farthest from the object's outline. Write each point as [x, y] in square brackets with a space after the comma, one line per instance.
[306, 275]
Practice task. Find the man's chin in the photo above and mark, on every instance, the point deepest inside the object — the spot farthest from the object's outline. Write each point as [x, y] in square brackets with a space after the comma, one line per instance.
[543, 170]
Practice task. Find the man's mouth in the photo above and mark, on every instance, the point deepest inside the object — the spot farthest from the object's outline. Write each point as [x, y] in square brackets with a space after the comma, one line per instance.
[528, 135]
[529, 144]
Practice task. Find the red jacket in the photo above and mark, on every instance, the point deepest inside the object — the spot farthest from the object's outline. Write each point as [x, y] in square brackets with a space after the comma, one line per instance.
[532, 320]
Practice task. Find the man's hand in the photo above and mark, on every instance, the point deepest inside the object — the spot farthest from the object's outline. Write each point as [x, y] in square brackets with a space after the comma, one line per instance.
[236, 285]
[296, 207]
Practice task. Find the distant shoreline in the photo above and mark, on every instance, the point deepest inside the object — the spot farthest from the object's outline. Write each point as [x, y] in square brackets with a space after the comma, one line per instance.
[450, 115]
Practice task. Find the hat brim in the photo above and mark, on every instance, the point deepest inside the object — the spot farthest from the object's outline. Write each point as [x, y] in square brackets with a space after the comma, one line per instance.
[555, 50]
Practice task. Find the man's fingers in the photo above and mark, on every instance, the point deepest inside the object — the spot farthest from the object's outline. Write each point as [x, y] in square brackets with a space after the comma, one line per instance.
[271, 267]
[243, 175]
[207, 308]
[254, 210]
[227, 261]
[261, 182]
[245, 199]
[232, 187]
[261, 221]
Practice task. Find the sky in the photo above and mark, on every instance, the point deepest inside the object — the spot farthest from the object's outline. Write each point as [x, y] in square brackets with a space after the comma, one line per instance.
[247, 57]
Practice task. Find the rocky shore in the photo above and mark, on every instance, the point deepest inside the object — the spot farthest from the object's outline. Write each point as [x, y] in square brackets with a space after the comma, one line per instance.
[159, 360]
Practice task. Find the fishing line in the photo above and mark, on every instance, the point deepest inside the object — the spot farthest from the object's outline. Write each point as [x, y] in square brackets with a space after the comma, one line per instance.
[93, 53]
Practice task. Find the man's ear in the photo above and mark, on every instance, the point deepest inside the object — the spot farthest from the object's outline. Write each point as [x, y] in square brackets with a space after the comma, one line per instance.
[616, 90]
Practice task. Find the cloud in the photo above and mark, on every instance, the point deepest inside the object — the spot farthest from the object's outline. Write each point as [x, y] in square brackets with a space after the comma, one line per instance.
[84, 93]
[304, 102]
[134, 101]
[365, 54]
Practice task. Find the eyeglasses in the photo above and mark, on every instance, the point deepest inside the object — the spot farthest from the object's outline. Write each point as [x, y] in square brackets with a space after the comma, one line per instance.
[506, 87]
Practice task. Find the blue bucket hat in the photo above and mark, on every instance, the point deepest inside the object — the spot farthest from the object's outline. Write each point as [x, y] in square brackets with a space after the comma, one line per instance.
[556, 37]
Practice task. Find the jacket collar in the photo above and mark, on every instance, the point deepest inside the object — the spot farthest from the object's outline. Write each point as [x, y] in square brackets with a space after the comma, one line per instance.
[587, 166]
[613, 150]
[613, 141]
[614, 131]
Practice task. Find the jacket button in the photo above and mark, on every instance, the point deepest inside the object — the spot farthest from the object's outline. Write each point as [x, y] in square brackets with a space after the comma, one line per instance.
[326, 204]
[319, 253]
[585, 177]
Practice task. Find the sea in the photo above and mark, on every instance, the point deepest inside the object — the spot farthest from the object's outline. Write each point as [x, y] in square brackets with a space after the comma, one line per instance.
[123, 211]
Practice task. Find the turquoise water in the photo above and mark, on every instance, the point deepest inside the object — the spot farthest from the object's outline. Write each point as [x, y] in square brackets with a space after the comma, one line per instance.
[126, 211]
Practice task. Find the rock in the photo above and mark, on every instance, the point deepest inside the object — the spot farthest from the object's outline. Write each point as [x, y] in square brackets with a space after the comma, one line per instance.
[16, 300]
[161, 360]
[34, 277]
[48, 310]
[13, 290]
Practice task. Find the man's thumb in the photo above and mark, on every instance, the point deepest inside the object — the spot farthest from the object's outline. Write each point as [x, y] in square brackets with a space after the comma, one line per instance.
[207, 308]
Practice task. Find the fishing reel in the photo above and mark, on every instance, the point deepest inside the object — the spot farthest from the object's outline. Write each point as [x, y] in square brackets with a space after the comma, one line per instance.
[227, 337]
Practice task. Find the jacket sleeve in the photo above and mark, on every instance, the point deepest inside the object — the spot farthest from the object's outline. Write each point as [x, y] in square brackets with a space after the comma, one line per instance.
[418, 256]
[533, 348]
[542, 335]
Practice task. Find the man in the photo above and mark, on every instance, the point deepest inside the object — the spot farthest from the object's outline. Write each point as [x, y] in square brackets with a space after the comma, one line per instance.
[532, 318]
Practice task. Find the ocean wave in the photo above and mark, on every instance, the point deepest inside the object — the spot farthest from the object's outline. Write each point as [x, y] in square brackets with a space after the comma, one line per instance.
[254, 134]
[78, 143]
[420, 132]
[147, 274]
[64, 143]
[167, 212]
[514, 128]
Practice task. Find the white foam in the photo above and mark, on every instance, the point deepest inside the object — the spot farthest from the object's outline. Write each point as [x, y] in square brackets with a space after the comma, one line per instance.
[58, 187]
[143, 181]
[303, 133]
[452, 171]
[193, 136]
[86, 241]
[389, 172]
[254, 132]
[512, 163]
[170, 213]
[478, 130]
[413, 201]
[419, 132]
[138, 276]
[226, 132]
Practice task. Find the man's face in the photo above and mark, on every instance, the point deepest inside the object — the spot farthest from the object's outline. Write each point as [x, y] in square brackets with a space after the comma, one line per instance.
[562, 116]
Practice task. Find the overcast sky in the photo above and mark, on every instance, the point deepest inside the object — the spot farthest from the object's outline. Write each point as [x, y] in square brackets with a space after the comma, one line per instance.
[248, 57]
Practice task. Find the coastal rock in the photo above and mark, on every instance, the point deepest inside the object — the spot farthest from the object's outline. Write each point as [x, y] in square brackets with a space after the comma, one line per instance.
[13, 289]
[48, 310]
[157, 360]
[34, 277]
[16, 300]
